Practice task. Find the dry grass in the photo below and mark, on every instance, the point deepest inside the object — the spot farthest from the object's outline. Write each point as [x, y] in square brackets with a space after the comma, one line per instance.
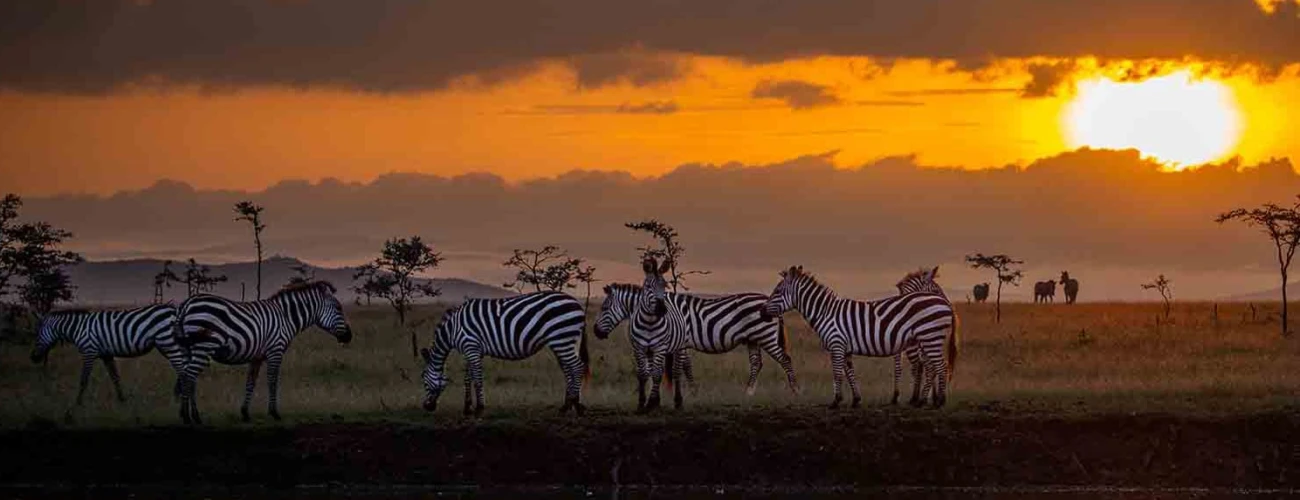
[1070, 359]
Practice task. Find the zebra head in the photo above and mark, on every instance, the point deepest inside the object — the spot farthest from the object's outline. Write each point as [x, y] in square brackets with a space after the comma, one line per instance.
[653, 301]
[922, 280]
[434, 380]
[434, 376]
[51, 329]
[619, 300]
[325, 310]
[783, 297]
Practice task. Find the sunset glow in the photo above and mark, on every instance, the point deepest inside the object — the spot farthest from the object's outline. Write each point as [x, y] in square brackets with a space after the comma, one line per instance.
[1175, 118]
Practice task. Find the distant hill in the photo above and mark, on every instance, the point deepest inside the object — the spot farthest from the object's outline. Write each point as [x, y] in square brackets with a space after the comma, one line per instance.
[1271, 295]
[123, 282]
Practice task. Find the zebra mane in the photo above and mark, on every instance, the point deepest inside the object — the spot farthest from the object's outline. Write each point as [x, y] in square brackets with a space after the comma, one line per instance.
[321, 285]
[622, 287]
[921, 274]
[68, 312]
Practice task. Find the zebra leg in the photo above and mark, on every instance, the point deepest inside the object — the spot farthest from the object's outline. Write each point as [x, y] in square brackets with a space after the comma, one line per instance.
[918, 367]
[656, 362]
[254, 369]
[684, 359]
[898, 374]
[642, 374]
[782, 358]
[680, 386]
[87, 364]
[474, 363]
[273, 361]
[573, 369]
[469, 393]
[755, 366]
[198, 361]
[853, 381]
[939, 372]
[111, 365]
[837, 369]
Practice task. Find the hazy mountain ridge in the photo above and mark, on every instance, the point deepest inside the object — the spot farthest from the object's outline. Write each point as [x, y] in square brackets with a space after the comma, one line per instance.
[124, 282]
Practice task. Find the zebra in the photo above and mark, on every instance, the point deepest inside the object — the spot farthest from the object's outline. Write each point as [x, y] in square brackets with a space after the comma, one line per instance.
[920, 281]
[876, 328]
[714, 326]
[253, 333]
[981, 292]
[107, 335]
[512, 328]
[657, 327]
[1071, 286]
[1045, 291]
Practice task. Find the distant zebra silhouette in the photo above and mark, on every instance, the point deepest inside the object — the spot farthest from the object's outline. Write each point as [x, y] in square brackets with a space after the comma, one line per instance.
[1071, 286]
[981, 292]
[106, 335]
[1045, 291]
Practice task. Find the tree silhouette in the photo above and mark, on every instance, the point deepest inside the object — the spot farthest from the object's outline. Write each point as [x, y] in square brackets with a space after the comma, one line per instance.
[302, 273]
[1282, 225]
[163, 280]
[550, 268]
[31, 263]
[1007, 272]
[668, 249]
[1161, 284]
[199, 278]
[393, 277]
[248, 211]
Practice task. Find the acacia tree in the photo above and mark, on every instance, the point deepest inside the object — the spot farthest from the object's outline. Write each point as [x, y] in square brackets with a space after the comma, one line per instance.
[1007, 272]
[199, 278]
[31, 260]
[394, 277]
[163, 280]
[1162, 285]
[248, 211]
[1282, 225]
[668, 249]
[302, 273]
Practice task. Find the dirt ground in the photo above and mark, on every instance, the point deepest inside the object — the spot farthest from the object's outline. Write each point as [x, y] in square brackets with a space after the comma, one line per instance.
[797, 447]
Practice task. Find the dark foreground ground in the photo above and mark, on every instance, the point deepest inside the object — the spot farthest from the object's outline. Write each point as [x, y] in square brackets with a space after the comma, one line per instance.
[800, 448]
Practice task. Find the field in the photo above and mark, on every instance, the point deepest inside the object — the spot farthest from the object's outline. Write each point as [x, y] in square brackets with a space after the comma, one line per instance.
[1089, 393]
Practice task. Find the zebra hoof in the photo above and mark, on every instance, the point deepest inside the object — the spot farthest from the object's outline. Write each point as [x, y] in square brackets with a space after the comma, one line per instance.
[579, 409]
[275, 414]
[749, 391]
[857, 403]
[478, 410]
[916, 402]
[835, 405]
[469, 410]
[243, 414]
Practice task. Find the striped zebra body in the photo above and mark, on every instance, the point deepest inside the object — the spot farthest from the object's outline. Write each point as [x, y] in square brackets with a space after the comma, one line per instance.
[877, 328]
[107, 335]
[921, 281]
[713, 326]
[512, 328]
[253, 333]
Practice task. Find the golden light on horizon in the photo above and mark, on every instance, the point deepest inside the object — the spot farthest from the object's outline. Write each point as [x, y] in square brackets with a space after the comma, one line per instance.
[1174, 118]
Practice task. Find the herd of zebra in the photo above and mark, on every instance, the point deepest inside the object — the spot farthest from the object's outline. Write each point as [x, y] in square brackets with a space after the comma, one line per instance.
[1044, 291]
[919, 323]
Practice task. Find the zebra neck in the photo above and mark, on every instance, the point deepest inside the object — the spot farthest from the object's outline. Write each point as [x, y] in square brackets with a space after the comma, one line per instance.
[438, 355]
[813, 301]
[298, 312]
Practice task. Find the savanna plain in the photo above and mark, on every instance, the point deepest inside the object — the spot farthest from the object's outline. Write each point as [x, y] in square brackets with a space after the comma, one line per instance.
[1084, 394]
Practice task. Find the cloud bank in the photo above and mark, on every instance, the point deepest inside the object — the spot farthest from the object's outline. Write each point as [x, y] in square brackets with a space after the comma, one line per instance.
[90, 46]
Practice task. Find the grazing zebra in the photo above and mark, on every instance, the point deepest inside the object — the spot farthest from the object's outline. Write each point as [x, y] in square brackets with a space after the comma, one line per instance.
[1071, 286]
[876, 328]
[107, 335]
[714, 326]
[235, 333]
[512, 328]
[1044, 291]
[981, 292]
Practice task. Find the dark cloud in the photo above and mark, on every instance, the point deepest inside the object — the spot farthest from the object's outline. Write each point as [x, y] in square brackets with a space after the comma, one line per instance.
[1049, 79]
[1080, 210]
[796, 94]
[627, 108]
[405, 45]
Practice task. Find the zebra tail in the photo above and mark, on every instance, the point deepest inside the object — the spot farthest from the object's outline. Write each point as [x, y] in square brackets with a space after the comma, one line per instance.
[668, 370]
[952, 348]
[583, 356]
[781, 340]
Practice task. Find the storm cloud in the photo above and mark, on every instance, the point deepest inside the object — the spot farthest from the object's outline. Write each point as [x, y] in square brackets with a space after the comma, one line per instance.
[94, 46]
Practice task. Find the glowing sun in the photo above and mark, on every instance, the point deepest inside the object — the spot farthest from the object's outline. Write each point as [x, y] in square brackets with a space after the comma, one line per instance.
[1175, 118]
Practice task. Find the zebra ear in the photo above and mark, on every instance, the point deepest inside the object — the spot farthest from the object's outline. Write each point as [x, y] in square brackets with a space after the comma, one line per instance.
[648, 265]
[424, 353]
[607, 289]
[935, 272]
[666, 266]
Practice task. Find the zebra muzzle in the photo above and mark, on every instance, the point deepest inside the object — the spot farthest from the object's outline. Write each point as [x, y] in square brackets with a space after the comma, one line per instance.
[430, 404]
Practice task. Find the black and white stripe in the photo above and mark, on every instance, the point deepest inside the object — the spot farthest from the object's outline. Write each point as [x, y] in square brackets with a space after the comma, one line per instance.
[236, 333]
[107, 335]
[877, 328]
[714, 325]
[920, 281]
[512, 328]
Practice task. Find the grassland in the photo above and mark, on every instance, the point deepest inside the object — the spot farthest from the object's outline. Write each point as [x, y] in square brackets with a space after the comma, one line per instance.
[1054, 359]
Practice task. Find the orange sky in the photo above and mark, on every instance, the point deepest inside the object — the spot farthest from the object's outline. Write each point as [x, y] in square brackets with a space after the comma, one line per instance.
[246, 128]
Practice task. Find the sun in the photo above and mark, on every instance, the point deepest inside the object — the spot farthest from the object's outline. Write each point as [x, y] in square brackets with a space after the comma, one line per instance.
[1174, 118]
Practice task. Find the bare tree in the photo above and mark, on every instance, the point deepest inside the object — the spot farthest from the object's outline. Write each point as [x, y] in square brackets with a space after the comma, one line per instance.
[668, 249]
[1007, 272]
[394, 277]
[248, 211]
[1162, 285]
[302, 273]
[163, 280]
[1282, 225]
[199, 279]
